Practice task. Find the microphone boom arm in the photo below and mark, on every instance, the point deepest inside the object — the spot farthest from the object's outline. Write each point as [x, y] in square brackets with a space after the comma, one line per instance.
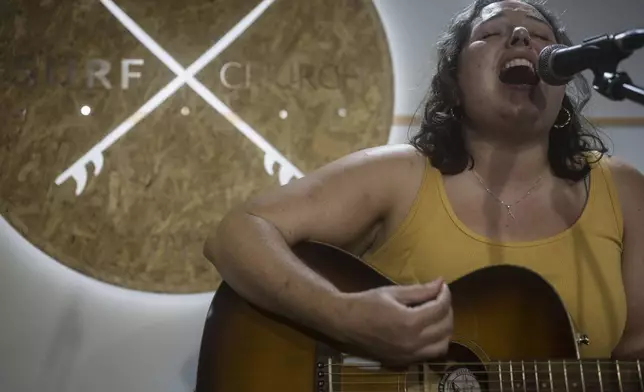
[618, 86]
[610, 83]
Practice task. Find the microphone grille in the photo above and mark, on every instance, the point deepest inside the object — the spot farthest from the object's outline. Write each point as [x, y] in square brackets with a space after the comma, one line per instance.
[544, 67]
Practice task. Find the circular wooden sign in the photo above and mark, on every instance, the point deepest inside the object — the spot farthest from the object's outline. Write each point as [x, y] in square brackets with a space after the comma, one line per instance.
[132, 126]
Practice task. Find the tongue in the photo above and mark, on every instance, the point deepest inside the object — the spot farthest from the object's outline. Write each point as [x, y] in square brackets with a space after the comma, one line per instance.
[519, 75]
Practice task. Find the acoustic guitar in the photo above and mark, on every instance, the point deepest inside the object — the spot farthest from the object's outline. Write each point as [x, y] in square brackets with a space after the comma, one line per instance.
[511, 334]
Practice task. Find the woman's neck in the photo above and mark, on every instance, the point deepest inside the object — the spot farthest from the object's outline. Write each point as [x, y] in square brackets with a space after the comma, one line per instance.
[502, 163]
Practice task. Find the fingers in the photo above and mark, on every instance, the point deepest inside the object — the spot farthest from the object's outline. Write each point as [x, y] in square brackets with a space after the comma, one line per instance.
[435, 322]
[417, 294]
[438, 330]
[434, 340]
[435, 310]
[422, 331]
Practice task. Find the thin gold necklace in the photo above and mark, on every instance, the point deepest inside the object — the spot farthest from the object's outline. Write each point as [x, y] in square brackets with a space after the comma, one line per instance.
[507, 206]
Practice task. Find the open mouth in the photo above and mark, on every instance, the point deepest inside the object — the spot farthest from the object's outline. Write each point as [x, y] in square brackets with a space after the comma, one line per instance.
[519, 72]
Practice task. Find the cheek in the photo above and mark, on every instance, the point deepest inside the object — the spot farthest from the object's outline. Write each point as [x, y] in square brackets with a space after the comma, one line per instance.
[476, 68]
[472, 75]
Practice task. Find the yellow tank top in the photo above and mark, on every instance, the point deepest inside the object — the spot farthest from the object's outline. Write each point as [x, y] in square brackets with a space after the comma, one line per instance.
[582, 263]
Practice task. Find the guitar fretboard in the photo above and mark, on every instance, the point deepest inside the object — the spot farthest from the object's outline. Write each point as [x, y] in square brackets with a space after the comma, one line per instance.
[566, 376]
[520, 376]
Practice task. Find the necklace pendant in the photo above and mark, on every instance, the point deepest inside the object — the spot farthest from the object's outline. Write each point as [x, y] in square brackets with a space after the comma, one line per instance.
[510, 212]
[507, 206]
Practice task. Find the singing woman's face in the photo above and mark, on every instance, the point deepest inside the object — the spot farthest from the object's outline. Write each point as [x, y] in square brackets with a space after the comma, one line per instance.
[497, 68]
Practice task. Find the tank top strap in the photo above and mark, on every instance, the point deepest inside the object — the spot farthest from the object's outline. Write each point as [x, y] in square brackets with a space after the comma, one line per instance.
[426, 201]
[608, 208]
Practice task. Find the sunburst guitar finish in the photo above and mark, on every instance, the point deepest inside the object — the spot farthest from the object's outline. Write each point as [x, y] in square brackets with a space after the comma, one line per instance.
[512, 333]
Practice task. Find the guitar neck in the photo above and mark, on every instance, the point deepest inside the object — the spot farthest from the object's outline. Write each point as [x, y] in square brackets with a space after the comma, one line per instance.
[519, 376]
[566, 376]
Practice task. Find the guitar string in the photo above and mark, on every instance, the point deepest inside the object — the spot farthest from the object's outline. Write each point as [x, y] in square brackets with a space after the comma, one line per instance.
[505, 382]
[464, 389]
[547, 383]
[531, 375]
[557, 378]
[470, 388]
[553, 379]
[574, 384]
[570, 370]
[487, 389]
[574, 371]
[568, 363]
[556, 384]
[528, 387]
[514, 372]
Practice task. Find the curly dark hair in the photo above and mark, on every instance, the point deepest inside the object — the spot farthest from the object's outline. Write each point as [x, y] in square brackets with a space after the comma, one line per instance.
[441, 138]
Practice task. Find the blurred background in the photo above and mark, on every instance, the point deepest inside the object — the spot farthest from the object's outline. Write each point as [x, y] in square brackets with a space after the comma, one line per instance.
[129, 127]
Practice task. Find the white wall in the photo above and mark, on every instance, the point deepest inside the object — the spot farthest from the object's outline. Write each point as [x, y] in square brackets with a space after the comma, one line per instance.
[63, 332]
[626, 143]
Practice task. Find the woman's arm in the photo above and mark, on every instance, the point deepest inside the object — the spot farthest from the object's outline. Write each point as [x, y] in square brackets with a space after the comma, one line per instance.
[630, 187]
[336, 204]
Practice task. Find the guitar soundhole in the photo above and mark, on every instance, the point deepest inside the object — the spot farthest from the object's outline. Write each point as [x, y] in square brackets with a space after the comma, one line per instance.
[462, 371]
[462, 379]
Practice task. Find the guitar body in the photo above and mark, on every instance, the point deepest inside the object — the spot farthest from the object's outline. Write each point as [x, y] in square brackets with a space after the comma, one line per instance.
[506, 314]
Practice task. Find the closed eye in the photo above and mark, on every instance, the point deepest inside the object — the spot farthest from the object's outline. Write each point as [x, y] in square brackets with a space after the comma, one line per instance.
[487, 35]
[541, 36]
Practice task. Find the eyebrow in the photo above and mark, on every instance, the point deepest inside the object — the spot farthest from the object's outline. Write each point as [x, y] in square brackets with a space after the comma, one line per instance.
[530, 16]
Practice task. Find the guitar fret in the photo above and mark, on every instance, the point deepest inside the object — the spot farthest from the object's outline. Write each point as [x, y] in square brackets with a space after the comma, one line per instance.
[511, 376]
[525, 388]
[536, 375]
[500, 377]
[581, 375]
[599, 375]
[639, 375]
[565, 375]
[331, 379]
[552, 387]
[619, 377]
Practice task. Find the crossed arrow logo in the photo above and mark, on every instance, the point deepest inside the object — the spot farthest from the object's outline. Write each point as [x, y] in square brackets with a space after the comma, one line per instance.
[78, 171]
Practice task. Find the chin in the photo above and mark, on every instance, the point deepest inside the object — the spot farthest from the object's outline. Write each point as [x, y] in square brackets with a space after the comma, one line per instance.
[521, 113]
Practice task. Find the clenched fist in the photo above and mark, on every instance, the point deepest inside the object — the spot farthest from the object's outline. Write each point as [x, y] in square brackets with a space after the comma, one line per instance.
[400, 325]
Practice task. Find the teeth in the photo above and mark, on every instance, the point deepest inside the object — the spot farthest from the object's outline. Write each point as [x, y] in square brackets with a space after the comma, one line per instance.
[518, 62]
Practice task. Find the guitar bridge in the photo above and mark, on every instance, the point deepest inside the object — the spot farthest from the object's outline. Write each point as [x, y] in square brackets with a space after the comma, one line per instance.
[327, 365]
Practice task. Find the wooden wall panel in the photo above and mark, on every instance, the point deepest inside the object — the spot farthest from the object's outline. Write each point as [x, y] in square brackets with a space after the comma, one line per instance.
[141, 222]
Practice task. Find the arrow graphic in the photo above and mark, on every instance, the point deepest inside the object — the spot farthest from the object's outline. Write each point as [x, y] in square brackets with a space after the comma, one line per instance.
[78, 170]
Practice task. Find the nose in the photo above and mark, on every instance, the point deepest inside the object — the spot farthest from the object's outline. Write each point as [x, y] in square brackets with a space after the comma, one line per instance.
[520, 37]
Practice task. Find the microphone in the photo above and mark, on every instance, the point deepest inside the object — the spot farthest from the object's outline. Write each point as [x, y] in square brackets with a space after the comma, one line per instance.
[558, 63]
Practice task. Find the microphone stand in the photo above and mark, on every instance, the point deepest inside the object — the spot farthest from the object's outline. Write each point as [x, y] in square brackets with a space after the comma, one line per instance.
[618, 86]
[610, 83]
